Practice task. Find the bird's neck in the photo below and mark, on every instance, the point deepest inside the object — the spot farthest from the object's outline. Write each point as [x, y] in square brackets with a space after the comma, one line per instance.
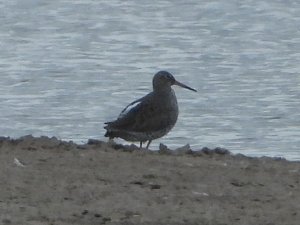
[162, 89]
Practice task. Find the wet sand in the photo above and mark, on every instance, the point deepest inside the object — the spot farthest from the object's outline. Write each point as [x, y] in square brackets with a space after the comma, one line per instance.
[49, 181]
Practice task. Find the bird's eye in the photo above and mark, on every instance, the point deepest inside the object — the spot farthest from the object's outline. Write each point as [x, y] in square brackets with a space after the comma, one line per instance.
[171, 78]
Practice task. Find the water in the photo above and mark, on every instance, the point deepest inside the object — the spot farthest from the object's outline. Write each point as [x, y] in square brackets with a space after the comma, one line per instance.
[68, 66]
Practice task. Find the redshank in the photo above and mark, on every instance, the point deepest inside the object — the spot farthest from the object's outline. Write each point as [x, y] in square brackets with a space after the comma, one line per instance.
[151, 116]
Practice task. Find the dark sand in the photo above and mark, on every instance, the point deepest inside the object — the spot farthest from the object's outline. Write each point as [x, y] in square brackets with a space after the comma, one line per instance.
[47, 181]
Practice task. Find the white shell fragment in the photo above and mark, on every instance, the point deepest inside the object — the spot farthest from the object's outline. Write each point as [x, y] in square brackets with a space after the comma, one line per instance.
[18, 163]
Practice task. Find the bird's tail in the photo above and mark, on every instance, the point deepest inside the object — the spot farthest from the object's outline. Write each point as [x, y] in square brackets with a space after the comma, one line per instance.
[109, 133]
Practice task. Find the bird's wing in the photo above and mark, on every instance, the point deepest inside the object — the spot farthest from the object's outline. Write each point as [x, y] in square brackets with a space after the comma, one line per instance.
[131, 107]
[142, 115]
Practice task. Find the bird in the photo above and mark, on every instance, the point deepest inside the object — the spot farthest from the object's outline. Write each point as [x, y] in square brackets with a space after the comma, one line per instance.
[151, 116]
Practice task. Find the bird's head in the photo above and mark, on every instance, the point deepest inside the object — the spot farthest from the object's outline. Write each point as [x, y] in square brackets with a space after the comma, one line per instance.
[164, 80]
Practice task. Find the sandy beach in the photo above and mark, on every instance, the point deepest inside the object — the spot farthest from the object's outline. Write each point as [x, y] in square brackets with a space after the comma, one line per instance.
[46, 181]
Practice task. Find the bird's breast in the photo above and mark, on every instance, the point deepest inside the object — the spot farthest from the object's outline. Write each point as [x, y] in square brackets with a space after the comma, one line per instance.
[168, 103]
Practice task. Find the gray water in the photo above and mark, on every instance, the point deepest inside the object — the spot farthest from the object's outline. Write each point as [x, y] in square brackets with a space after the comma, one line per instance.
[68, 66]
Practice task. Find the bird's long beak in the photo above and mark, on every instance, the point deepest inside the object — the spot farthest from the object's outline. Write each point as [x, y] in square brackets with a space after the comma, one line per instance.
[184, 86]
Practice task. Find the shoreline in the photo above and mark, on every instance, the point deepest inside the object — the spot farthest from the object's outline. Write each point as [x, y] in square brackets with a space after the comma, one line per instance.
[49, 181]
[162, 149]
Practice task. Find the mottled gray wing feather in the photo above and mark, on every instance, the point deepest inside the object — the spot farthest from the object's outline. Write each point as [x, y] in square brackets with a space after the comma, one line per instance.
[145, 116]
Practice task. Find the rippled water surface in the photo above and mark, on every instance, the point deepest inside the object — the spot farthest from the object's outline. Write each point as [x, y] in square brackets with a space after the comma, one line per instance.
[68, 66]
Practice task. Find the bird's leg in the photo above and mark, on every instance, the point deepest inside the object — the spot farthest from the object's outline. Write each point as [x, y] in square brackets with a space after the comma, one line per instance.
[141, 145]
[111, 141]
[148, 144]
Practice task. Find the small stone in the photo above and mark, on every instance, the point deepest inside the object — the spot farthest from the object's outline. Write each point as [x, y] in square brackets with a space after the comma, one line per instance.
[186, 149]
[238, 183]
[137, 182]
[94, 142]
[106, 219]
[84, 212]
[221, 151]
[155, 186]
[206, 151]
[97, 215]
[163, 149]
